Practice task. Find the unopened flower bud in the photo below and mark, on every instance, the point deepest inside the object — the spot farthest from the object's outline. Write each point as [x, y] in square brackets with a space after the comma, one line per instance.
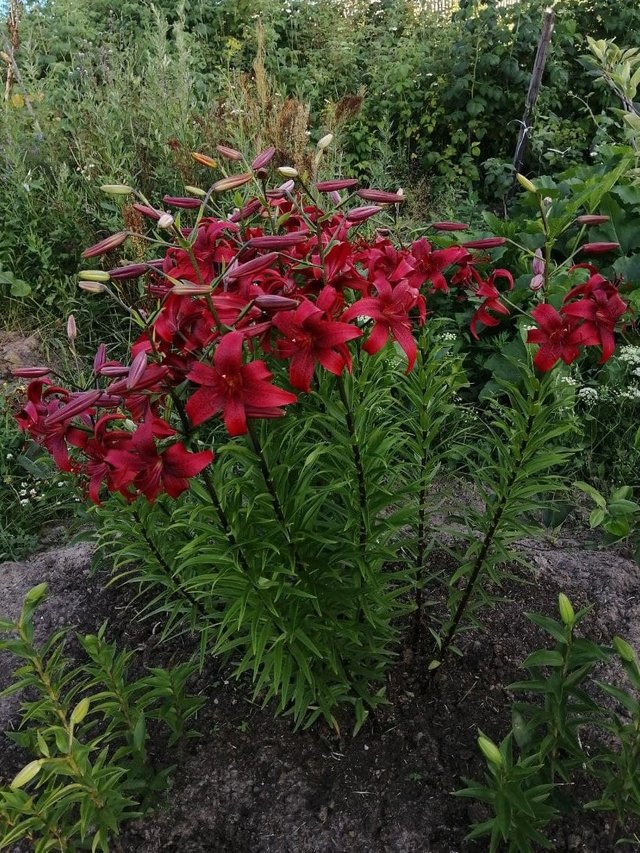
[92, 286]
[116, 189]
[107, 245]
[94, 275]
[232, 182]
[184, 202]
[525, 183]
[625, 650]
[547, 201]
[288, 171]
[591, 219]
[324, 142]
[359, 214]
[263, 158]
[204, 159]
[228, 153]
[195, 191]
[565, 607]
[145, 210]
[334, 196]
[490, 751]
[72, 329]
[165, 221]
[599, 248]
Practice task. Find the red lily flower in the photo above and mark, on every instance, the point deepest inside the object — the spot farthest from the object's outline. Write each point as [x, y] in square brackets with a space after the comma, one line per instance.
[238, 390]
[556, 335]
[311, 338]
[390, 312]
[155, 471]
[492, 302]
[430, 263]
[600, 310]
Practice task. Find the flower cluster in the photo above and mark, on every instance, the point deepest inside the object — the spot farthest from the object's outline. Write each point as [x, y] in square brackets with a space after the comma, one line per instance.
[587, 317]
[289, 277]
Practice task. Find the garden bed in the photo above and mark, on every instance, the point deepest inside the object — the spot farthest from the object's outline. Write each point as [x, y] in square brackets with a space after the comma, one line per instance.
[249, 784]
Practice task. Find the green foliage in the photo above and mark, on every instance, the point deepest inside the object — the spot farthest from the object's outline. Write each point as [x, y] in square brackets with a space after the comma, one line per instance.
[562, 713]
[516, 472]
[87, 728]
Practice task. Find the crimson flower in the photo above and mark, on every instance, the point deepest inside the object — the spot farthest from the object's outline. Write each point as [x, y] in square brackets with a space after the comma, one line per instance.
[309, 338]
[390, 312]
[430, 263]
[600, 310]
[238, 390]
[556, 335]
[491, 296]
[155, 471]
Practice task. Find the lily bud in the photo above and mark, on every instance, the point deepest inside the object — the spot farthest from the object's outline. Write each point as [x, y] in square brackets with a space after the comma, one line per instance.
[99, 358]
[165, 221]
[565, 607]
[107, 245]
[490, 751]
[279, 241]
[180, 201]
[128, 272]
[625, 650]
[591, 219]
[359, 214]
[536, 283]
[525, 183]
[232, 182]
[538, 262]
[324, 142]
[78, 403]
[137, 369]
[94, 275]
[381, 197]
[31, 372]
[486, 243]
[116, 189]
[195, 191]
[186, 288]
[338, 184]
[449, 226]
[228, 153]
[334, 197]
[263, 158]
[251, 267]
[247, 211]
[273, 302]
[599, 248]
[288, 171]
[72, 329]
[145, 210]
[92, 286]
[204, 160]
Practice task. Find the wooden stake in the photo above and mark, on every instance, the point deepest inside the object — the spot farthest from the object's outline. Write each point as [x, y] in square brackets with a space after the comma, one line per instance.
[532, 95]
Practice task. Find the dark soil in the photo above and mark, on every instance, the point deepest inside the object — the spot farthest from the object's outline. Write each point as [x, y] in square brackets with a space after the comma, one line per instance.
[250, 785]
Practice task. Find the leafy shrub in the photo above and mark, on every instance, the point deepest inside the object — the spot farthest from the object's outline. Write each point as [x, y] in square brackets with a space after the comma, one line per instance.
[87, 727]
[294, 552]
[551, 732]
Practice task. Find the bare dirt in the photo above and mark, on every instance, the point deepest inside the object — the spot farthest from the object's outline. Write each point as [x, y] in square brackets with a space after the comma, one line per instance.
[250, 785]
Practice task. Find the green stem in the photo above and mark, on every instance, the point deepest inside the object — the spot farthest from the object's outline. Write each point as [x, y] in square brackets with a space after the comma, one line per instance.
[487, 542]
[357, 459]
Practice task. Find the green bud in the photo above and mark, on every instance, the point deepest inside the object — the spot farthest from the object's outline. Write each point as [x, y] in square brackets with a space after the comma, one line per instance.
[525, 183]
[36, 594]
[196, 191]
[80, 711]
[28, 772]
[94, 275]
[116, 189]
[490, 751]
[567, 613]
[625, 650]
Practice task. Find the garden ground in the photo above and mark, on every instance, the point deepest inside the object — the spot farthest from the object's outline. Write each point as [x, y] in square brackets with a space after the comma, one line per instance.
[249, 786]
